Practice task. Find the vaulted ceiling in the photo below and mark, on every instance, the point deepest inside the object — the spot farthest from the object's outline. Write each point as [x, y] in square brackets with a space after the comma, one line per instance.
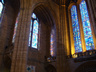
[16, 3]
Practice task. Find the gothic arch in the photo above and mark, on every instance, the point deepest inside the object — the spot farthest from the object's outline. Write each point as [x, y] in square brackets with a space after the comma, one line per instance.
[42, 11]
[44, 14]
[48, 13]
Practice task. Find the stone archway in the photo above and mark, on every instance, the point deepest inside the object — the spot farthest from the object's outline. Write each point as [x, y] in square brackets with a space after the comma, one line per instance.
[87, 67]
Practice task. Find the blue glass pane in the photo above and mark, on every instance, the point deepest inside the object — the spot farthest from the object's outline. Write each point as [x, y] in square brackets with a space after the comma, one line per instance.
[76, 31]
[33, 15]
[30, 33]
[86, 26]
[35, 34]
[1, 7]
[3, 1]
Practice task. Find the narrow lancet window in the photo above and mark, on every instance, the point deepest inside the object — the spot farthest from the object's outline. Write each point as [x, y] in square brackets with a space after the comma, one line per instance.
[1, 8]
[53, 43]
[76, 30]
[33, 36]
[86, 26]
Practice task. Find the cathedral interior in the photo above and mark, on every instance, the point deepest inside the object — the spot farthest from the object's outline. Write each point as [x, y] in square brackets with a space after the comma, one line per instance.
[47, 36]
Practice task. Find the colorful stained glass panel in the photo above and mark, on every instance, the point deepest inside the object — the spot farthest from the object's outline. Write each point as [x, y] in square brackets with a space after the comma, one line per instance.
[35, 34]
[76, 31]
[86, 26]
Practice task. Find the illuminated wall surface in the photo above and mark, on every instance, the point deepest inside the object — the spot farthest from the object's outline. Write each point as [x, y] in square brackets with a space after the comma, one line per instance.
[86, 26]
[76, 31]
[33, 36]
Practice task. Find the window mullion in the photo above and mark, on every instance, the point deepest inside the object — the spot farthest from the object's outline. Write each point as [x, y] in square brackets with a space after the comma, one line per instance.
[38, 43]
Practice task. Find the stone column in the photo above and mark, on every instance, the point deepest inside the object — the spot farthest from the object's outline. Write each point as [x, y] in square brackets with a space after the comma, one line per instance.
[62, 49]
[3, 37]
[5, 28]
[19, 59]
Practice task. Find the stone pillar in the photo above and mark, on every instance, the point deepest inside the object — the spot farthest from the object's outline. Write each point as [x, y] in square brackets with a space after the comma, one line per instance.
[3, 37]
[19, 59]
[5, 26]
[62, 49]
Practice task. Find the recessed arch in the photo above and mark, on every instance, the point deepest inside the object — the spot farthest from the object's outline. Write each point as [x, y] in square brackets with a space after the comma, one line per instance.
[45, 10]
[44, 16]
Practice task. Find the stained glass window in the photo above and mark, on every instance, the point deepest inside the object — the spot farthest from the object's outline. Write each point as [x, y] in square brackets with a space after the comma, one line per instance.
[52, 43]
[86, 26]
[1, 8]
[15, 29]
[76, 30]
[52, 46]
[33, 36]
